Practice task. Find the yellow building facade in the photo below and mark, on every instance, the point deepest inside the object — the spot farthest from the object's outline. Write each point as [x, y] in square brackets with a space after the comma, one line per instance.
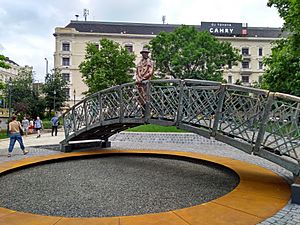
[254, 43]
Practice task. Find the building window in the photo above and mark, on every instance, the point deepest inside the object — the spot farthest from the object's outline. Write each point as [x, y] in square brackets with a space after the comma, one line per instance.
[129, 47]
[245, 79]
[245, 51]
[260, 65]
[67, 91]
[260, 51]
[245, 65]
[66, 47]
[66, 76]
[66, 61]
[229, 80]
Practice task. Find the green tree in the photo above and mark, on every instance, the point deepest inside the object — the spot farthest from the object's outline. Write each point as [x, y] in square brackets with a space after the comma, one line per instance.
[21, 91]
[37, 106]
[24, 100]
[54, 90]
[283, 65]
[289, 10]
[4, 65]
[107, 66]
[3, 87]
[2, 62]
[187, 53]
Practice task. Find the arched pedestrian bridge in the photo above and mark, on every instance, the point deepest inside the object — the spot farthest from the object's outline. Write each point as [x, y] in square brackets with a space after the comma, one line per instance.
[256, 121]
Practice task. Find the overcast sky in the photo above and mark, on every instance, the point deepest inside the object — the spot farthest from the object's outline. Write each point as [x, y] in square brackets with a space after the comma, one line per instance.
[27, 26]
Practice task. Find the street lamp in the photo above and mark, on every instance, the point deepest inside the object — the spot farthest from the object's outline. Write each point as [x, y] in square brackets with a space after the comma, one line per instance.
[9, 97]
[54, 93]
[46, 66]
[74, 92]
[9, 84]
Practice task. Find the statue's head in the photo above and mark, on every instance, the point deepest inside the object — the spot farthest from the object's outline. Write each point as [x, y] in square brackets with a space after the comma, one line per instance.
[145, 52]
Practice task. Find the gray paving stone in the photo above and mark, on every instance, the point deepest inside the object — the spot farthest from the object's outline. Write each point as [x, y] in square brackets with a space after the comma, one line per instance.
[290, 214]
[265, 223]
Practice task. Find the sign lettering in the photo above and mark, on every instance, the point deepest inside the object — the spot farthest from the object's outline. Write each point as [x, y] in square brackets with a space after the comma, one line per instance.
[222, 29]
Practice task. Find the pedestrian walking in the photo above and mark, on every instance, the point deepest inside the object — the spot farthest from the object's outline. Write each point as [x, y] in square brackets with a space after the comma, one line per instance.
[38, 125]
[54, 122]
[25, 125]
[14, 128]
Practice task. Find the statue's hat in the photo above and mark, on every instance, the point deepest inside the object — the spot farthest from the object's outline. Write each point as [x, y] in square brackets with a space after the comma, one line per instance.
[145, 49]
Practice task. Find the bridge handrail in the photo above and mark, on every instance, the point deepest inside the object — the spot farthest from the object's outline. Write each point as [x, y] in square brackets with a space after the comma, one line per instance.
[254, 120]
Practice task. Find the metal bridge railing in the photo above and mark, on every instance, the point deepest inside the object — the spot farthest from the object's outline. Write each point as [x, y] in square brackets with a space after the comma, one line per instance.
[253, 120]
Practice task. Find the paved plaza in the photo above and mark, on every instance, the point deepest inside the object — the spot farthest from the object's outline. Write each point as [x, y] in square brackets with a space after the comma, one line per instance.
[290, 214]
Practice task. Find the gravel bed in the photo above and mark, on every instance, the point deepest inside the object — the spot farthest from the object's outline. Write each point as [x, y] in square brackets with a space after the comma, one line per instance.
[114, 186]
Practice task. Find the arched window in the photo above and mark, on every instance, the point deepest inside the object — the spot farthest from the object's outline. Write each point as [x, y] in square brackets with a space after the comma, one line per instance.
[129, 47]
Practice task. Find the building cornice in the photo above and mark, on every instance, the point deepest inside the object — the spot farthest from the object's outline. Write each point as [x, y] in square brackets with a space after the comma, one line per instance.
[63, 32]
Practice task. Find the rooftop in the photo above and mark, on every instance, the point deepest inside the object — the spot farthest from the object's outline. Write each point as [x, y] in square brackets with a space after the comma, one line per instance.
[154, 29]
[11, 62]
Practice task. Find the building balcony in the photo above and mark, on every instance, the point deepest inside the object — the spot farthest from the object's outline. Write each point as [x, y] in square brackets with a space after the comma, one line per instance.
[64, 53]
[246, 84]
[246, 57]
[246, 71]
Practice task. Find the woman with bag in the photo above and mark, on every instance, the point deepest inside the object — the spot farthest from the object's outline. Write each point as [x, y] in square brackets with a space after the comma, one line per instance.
[15, 128]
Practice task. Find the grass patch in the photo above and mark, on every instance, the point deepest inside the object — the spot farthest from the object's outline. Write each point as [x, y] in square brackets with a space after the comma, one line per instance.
[3, 134]
[47, 124]
[155, 128]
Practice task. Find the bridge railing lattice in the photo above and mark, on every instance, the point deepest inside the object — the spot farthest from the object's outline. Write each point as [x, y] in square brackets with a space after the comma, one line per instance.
[253, 120]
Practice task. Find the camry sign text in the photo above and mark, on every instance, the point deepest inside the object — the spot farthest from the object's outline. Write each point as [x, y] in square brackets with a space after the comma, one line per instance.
[224, 29]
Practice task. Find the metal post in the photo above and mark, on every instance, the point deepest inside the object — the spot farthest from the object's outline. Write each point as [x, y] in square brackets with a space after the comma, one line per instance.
[121, 105]
[74, 119]
[263, 122]
[99, 97]
[9, 102]
[74, 92]
[180, 104]
[46, 66]
[218, 113]
[9, 96]
[148, 99]
[54, 93]
[86, 113]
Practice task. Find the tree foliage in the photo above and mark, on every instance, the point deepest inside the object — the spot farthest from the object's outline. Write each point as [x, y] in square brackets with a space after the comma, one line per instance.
[187, 53]
[2, 62]
[289, 10]
[24, 100]
[21, 91]
[107, 66]
[283, 65]
[54, 90]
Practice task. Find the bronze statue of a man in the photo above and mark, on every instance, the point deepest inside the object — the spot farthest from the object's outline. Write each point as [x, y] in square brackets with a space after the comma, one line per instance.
[144, 72]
